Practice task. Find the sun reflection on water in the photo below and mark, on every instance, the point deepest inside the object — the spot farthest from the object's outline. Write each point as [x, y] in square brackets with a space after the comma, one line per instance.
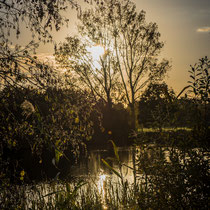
[102, 188]
[102, 184]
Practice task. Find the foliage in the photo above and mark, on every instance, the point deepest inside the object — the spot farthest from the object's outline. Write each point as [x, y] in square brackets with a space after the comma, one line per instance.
[157, 106]
[38, 18]
[167, 177]
[173, 178]
[34, 122]
[39, 120]
[199, 86]
[109, 124]
[17, 66]
[199, 74]
[127, 32]
[43, 123]
[99, 77]
[160, 108]
[19, 69]
[199, 91]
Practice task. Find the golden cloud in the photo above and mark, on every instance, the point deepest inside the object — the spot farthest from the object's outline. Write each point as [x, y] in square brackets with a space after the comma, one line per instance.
[203, 29]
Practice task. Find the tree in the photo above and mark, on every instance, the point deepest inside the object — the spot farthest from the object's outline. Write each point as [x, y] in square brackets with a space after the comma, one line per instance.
[20, 69]
[42, 128]
[132, 43]
[198, 88]
[98, 76]
[40, 17]
[51, 118]
[157, 106]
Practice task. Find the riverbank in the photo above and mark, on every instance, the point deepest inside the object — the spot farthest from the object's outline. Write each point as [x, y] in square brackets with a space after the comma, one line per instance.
[180, 136]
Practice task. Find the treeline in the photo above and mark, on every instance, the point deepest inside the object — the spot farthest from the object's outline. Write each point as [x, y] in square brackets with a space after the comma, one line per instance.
[44, 131]
[159, 107]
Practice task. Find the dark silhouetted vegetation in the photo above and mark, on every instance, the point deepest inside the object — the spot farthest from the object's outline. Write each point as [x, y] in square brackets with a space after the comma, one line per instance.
[50, 119]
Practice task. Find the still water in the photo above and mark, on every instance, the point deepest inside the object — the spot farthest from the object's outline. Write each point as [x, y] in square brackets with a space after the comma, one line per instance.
[93, 167]
[96, 175]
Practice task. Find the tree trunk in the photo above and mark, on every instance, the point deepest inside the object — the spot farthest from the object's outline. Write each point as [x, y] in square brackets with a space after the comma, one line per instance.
[133, 116]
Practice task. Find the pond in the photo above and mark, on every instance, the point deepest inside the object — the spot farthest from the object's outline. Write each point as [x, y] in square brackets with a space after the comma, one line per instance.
[100, 184]
[92, 165]
[92, 171]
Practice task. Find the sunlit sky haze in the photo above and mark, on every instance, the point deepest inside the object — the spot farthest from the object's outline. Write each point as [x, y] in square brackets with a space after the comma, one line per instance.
[185, 29]
[184, 26]
[96, 51]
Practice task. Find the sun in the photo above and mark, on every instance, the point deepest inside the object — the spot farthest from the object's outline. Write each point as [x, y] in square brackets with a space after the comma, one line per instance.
[96, 52]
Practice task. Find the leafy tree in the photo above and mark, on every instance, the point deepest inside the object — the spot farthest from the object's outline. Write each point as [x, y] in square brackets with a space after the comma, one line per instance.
[110, 124]
[34, 123]
[186, 112]
[99, 77]
[157, 106]
[39, 17]
[19, 69]
[198, 89]
[36, 113]
[133, 43]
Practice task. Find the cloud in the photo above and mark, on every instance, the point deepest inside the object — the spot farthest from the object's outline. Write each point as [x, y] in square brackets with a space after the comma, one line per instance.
[46, 57]
[49, 58]
[203, 29]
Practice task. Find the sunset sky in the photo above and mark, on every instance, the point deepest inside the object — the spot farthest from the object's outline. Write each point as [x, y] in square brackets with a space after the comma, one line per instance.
[185, 29]
[184, 26]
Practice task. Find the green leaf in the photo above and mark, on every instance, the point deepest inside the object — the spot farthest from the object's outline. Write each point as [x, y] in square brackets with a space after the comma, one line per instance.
[111, 168]
[58, 154]
[115, 150]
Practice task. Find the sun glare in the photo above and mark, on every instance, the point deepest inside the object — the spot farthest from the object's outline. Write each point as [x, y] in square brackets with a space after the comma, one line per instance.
[101, 183]
[96, 52]
[102, 188]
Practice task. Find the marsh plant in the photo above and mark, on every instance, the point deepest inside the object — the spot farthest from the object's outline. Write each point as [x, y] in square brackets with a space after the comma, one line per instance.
[173, 178]
[166, 177]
